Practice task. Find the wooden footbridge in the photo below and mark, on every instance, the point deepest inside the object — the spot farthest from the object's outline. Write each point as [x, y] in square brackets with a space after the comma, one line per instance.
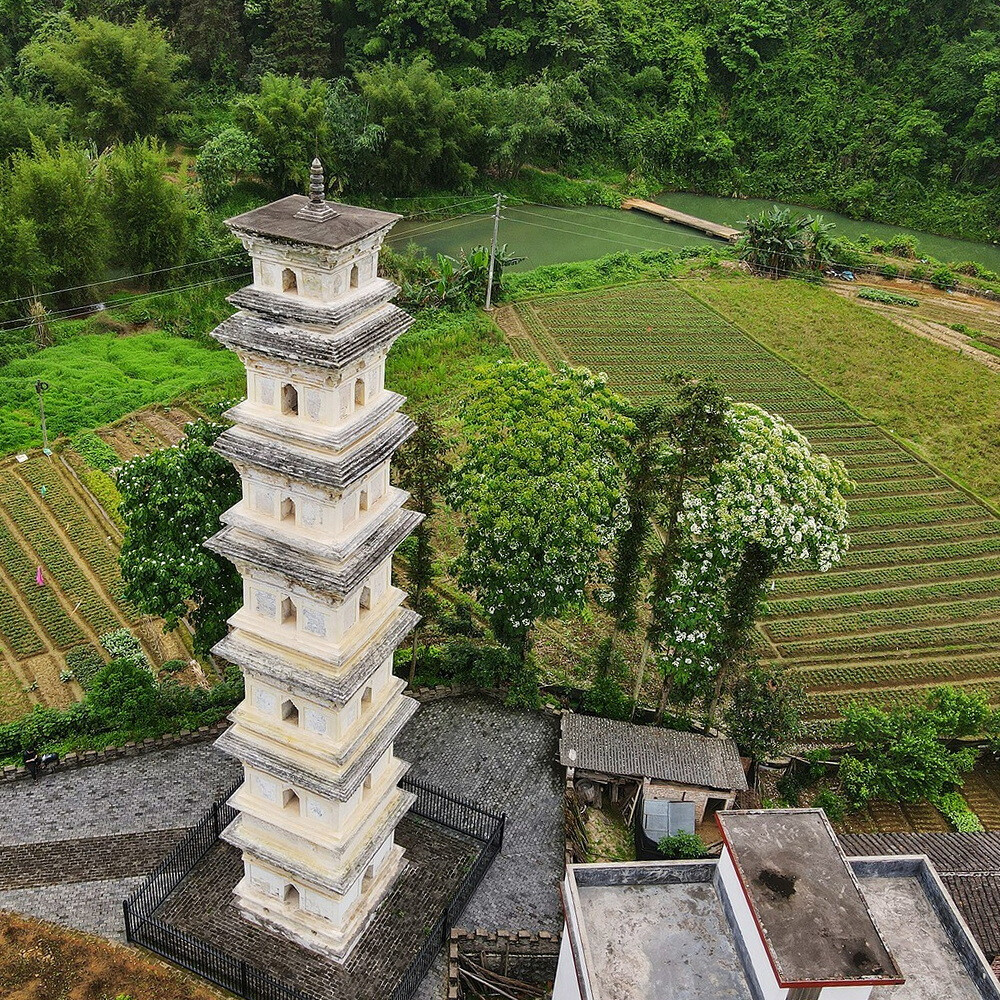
[681, 219]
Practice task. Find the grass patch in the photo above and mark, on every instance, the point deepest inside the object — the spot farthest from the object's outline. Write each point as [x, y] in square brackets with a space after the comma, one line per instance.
[945, 405]
[98, 378]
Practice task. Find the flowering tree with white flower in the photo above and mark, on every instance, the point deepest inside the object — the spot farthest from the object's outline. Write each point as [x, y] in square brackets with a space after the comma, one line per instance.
[171, 502]
[539, 491]
[772, 504]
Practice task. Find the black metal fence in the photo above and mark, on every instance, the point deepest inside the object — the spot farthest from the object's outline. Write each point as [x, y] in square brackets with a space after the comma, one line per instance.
[142, 926]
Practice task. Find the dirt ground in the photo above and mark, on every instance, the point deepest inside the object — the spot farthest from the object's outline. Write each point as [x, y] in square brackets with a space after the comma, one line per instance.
[39, 961]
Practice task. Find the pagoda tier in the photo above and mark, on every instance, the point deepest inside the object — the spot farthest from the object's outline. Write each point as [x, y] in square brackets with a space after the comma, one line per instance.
[313, 537]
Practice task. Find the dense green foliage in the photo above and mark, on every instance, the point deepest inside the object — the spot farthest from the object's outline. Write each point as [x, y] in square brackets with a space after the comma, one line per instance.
[171, 502]
[681, 847]
[886, 298]
[901, 756]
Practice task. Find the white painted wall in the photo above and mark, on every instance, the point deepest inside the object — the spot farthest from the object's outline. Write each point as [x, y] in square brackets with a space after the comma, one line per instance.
[566, 985]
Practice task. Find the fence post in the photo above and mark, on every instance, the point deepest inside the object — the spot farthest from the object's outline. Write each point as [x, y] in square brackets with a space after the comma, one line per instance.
[128, 920]
[244, 985]
[215, 819]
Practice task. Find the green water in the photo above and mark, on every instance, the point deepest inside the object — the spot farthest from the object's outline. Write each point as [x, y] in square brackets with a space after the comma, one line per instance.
[558, 235]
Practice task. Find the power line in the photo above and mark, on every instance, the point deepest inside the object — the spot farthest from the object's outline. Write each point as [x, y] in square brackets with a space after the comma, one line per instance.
[67, 313]
[123, 277]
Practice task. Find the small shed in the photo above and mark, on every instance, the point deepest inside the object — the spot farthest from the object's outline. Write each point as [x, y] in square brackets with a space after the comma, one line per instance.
[667, 764]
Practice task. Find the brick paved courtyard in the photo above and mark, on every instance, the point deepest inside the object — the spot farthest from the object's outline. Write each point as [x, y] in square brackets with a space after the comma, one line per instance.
[74, 844]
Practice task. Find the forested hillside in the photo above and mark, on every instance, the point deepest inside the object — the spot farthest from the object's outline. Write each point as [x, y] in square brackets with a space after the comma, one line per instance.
[885, 109]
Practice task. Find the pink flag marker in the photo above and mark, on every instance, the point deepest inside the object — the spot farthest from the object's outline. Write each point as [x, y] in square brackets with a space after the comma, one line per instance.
[39, 579]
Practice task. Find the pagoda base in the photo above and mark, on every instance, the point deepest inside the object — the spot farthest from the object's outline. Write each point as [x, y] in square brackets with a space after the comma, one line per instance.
[312, 931]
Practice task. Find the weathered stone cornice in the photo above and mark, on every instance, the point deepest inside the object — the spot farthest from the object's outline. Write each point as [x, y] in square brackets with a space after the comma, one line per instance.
[245, 447]
[284, 307]
[316, 683]
[308, 571]
[248, 747]
[336, 548]
[312, 434]
[248, 333]
[245, 833]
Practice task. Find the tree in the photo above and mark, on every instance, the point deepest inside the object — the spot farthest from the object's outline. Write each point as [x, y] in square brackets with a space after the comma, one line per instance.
[287, 122]
[59, 192]
[151, 221]
[120, 80]
[538, 491]
[123, 695]
[899, 754]
[21, 118]
[698, 435]
[23, 267]
[774, 243]
[226, 158]
[424, 128]
[423, 469]
[210, 34]
[765, 711]
[299, 39]
[171, 502]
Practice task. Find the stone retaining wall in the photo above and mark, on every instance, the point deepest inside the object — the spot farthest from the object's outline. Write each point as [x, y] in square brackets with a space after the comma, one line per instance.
[529, 956]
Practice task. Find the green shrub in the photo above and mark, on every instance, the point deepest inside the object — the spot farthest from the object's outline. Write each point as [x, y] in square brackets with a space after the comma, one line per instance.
[121, 645]
[606, 695]
[888, 298]
[890, 271]
[95, 451]
[173, 666]
[681, 847]
[957, 810]
[831, 803]
[902, 246]
[106, 493]
[944, 277]
[84, 662]
[123, 695]
[920, 272]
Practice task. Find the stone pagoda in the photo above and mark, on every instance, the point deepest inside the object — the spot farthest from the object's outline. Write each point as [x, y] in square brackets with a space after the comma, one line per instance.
[313, 538]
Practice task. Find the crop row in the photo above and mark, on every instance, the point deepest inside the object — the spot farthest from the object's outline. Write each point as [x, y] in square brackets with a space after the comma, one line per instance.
[924, 533]
[93, 545]
[862, 519]
[893, 617]
[777, 609]
[901, 671]
[931, 490]
[829, 704]
[950, 549]
[15, 628]
[899, 572]
[895, 473]
[944, 636]
[43, 602]
[33, 524]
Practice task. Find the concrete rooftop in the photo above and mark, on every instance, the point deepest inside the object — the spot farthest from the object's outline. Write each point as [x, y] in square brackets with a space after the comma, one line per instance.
[659, 931]
[815, 922]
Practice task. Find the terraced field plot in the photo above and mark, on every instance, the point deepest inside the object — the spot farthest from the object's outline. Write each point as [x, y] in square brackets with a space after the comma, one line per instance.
[915, 603]
[49, 519]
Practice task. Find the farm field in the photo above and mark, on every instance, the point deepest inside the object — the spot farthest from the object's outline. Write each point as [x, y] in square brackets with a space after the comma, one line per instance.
[915, 603]
[48, 518]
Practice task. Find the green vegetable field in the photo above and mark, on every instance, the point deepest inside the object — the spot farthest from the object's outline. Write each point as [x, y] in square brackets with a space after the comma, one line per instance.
[914, 604]
[49, 519]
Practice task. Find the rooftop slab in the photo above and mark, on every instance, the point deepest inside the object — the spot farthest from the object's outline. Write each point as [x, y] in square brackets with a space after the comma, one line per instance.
[911, 927]
[280, 221]
[805, 898]
[668, 940]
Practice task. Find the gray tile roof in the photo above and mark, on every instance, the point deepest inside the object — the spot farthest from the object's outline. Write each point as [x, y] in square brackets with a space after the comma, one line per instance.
[969, 866]
[628, 750]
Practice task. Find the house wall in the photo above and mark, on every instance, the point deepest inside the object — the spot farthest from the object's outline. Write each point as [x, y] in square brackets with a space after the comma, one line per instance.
[566, 985]
[654, 789]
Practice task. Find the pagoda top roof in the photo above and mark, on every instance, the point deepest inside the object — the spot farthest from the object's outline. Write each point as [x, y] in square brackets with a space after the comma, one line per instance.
[294, 220]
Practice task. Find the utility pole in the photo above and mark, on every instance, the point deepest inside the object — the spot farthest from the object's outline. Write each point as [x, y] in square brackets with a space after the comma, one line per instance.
[493, 253]
[40, 388]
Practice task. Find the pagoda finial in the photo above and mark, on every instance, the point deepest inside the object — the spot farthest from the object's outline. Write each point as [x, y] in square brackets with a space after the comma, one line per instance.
[317, 209]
